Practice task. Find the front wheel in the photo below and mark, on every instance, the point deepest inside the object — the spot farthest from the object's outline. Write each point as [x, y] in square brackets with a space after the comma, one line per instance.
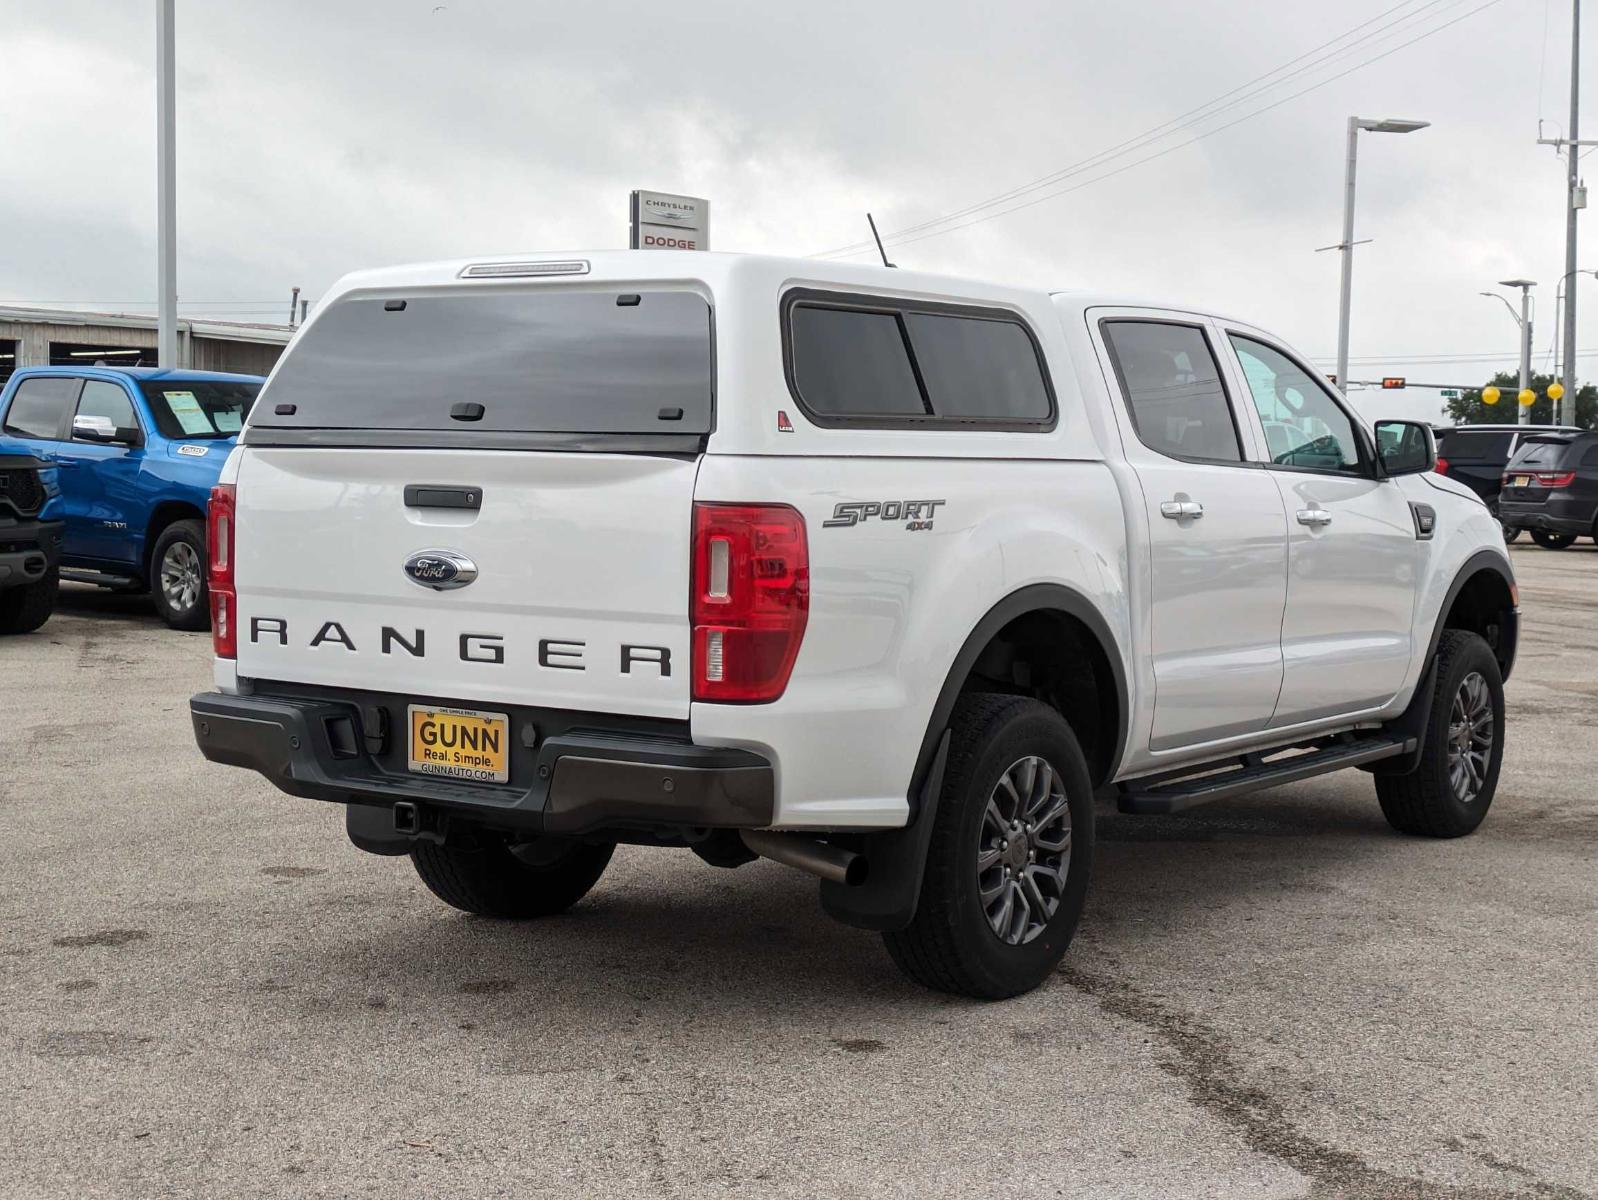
[1552, 541]
[1449, 793]
[1009, 857]
[491, 878]
[178, 574]
[23, 609]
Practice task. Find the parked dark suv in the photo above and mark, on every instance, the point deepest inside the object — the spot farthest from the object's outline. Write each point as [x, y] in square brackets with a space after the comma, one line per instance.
[1551, 488]
[1476, 455]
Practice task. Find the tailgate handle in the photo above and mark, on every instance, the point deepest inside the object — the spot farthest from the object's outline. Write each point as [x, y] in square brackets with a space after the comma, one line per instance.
[429, 495]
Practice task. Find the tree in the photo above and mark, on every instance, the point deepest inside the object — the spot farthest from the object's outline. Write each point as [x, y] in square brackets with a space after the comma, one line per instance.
[1468, 409]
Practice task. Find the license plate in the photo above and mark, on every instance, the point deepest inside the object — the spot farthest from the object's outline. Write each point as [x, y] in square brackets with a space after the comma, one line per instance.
[1520, 481]
[460, 742]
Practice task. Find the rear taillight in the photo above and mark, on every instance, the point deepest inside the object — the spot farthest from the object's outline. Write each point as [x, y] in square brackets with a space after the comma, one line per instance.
[219, 521]
[751, 599]
[1442, 465]
[1555, 478]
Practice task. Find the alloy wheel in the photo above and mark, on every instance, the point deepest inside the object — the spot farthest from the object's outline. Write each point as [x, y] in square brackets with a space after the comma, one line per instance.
[180, 577]
[1024, 850]
[1470, 737]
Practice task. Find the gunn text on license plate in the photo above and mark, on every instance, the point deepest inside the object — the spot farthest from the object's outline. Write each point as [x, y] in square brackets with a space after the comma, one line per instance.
[460, 742]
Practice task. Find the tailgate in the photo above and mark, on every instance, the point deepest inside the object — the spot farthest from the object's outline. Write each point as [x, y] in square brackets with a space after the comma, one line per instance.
[580, 599]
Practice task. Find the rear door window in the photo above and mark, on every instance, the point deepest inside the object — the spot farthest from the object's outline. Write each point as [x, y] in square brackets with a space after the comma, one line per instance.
[1590, 458]
[554, 360]
[1173, 390]
[855, 360]
[40, 406]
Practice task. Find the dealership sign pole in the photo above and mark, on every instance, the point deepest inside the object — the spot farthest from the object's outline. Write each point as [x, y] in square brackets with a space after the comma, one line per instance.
[662, 221]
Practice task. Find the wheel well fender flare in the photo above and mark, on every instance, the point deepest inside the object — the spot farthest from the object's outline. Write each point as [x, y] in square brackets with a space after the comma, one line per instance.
[1037, 597]
[1482, 561]
[897, 857]
[165, 513]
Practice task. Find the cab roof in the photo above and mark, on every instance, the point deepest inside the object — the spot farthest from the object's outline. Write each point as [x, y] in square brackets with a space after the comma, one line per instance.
[175, 374]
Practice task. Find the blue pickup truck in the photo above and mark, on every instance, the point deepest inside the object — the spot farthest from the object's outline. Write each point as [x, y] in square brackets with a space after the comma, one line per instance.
[138, 450]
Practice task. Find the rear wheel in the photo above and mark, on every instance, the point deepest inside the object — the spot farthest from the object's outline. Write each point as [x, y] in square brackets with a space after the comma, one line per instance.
[1010, 853]
[178, 576]
[490, 878]
[1449, 793]
[23, 609]
[1552, 541]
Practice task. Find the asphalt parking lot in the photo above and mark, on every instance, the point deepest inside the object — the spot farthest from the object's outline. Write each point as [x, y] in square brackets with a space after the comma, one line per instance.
[205, 990]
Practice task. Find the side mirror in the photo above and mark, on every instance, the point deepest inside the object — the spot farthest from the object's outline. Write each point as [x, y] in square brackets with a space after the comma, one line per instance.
[1405, 447]
[102, 430]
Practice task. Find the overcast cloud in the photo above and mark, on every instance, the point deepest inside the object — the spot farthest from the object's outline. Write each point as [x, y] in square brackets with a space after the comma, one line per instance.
[320, 136]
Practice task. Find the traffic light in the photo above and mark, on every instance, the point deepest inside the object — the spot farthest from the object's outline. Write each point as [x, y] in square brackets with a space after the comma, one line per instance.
[1393, 381]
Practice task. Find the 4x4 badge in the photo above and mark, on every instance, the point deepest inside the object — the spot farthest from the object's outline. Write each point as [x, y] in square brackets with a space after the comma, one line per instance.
[440, 570]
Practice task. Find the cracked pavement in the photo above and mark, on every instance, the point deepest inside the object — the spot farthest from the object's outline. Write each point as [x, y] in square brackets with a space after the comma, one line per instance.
[205, 990]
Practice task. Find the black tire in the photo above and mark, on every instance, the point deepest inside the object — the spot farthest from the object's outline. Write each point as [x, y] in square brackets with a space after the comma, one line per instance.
[491, 880]
[1427, 802]
[23, 609]
[1552, 541]
[182, 539]
[951, 946]
[1510, 534]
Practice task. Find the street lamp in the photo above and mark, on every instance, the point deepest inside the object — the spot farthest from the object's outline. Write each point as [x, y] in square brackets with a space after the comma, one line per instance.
[1523, 319]
[1355, 124]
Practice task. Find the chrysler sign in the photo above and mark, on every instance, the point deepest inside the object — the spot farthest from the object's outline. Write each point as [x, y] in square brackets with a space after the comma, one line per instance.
[661, 221]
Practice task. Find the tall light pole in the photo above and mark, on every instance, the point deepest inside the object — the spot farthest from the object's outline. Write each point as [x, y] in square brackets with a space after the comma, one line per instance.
[1567, 408]
[1523, 319]
[1355, 124]
[166, 187]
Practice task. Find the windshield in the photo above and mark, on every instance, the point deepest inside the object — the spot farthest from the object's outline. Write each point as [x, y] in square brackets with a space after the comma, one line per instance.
[537, 361]
[200, 408]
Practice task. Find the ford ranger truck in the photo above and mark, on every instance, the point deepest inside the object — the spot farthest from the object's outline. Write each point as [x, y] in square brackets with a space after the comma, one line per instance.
[30, 539]
[877, 574]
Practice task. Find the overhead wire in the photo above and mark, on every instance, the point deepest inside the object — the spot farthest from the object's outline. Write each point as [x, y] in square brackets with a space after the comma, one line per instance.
[899, 238]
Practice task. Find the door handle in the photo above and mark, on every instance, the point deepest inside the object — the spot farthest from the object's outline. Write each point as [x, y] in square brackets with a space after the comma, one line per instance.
[1314, 517]
[1181, 510]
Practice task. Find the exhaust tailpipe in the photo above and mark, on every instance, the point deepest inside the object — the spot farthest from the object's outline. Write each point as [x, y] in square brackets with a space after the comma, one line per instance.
[807, 854]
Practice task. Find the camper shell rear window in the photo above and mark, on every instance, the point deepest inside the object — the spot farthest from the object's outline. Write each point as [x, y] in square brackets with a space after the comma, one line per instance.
[480, 363]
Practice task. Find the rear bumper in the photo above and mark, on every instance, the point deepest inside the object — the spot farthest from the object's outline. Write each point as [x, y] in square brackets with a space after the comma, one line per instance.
[28, 551]
[1557, 515]
[570, 773]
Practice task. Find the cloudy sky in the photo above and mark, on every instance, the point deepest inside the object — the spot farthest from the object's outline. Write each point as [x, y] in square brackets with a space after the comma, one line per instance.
[319, 136]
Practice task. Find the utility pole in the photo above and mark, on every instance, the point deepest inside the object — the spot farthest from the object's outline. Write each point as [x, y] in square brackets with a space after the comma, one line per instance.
[1575, 201]
[1567, 407]
[294, 308]
[166, 187]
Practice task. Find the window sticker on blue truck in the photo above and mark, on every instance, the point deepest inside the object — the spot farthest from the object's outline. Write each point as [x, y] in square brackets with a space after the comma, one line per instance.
[188, 412]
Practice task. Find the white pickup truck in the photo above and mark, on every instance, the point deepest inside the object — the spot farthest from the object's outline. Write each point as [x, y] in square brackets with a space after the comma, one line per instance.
[878, 574]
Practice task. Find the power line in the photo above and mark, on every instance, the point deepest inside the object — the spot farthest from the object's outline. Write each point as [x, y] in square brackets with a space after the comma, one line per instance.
[1154, 134]
[900, 240]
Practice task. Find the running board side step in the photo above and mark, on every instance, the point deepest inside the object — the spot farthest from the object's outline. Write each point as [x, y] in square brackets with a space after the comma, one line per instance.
[1175, 790]
[99, 578]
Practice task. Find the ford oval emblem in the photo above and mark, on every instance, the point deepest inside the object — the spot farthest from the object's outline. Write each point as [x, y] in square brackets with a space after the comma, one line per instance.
[440, 570]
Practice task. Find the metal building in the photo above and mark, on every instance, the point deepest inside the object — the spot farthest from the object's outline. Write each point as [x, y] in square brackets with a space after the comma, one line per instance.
[37, 337]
